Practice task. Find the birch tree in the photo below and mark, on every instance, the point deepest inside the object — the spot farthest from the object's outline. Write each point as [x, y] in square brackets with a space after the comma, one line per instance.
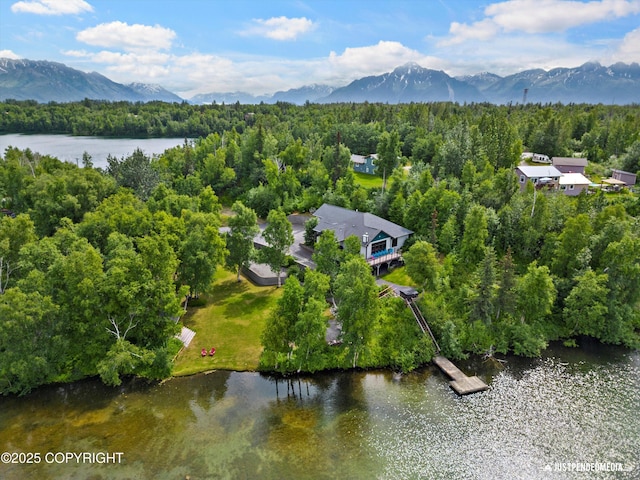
[279, 237]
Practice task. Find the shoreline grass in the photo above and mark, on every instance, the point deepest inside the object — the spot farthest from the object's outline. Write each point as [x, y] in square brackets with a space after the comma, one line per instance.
[231, 321]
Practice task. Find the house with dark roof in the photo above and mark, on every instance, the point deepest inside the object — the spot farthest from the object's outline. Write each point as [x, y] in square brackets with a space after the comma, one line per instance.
[364, 163]
[570, 165]
[380, 240]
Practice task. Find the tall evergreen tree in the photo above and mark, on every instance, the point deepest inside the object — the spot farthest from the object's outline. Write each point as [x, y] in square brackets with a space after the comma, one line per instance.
[388, 153]
[482, 302]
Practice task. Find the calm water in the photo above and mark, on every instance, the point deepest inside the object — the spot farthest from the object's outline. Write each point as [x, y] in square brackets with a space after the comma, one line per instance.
[70, 149]
[573, 406]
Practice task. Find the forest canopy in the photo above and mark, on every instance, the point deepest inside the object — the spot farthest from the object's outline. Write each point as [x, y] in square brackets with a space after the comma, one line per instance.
[95, 265]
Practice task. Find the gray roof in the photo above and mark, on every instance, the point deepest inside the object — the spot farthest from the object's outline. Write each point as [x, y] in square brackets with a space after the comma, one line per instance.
[363, 158]
[345, 222]
[615, 170]
[570, 161]
[537, 172]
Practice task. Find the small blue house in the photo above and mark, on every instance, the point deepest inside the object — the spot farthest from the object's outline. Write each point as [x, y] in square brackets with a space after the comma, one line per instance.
[364, 163]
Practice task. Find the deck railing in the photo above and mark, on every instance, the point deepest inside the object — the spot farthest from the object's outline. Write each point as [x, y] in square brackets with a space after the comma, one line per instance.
[384, 258]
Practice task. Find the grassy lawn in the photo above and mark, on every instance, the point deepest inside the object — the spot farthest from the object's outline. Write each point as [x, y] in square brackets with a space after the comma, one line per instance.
[368, 181]
[232, 321]
[399, 277]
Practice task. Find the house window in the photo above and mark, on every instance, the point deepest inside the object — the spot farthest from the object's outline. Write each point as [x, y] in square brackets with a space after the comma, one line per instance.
[522, 178]
[394, 242]
[570, 187]
[378, 247]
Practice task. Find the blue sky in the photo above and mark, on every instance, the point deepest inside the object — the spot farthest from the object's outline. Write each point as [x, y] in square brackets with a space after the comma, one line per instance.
[260, 46]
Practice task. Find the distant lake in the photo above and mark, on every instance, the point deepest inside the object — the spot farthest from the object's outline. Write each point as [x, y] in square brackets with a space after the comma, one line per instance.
[70, 149]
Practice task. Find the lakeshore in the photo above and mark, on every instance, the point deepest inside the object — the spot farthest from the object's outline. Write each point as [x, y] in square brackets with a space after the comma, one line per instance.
[569, 406]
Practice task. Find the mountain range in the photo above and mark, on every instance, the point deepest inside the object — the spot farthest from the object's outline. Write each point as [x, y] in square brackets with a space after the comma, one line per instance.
[45, 81]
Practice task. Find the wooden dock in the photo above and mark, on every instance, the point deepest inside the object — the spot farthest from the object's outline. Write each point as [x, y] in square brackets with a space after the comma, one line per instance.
[460, 383]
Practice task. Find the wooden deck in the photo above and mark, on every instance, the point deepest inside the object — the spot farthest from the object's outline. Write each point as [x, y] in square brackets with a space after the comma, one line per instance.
[460, 383]
[374, 261]
[185, 336]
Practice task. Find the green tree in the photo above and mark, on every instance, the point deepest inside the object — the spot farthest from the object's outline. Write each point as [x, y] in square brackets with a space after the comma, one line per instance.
[327, 255]
[474, 238]
[482, 301]
[631, 159]
[388, 152]
[425, 149]
[622, 260]
[574, 238]
[356, 294]
[75, 282]
[536, 294]
[135, 172]
[243, 227]
[351, 247]
[310, 330]
[585, 311]
[337, 161]
[201, 252]
[506, 296]
[422, 265]
[278, 336]
[404, 346]
[309, 233]
[454, 151]
[311, 326]
[123, 358]
[500, 141]
[279, 237]
[215, 170]
[15, 233]
[30, 341]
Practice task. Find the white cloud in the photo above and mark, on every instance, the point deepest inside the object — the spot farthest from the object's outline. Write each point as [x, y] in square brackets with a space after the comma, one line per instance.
[77, 53]
[372, 60]
[520, 52]
[9, 54]
[629, 49]
[482, 30]
[128, 37]
[204, 73]
[52, 7]
[131, 66]
[539, 16]
[279, 28]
